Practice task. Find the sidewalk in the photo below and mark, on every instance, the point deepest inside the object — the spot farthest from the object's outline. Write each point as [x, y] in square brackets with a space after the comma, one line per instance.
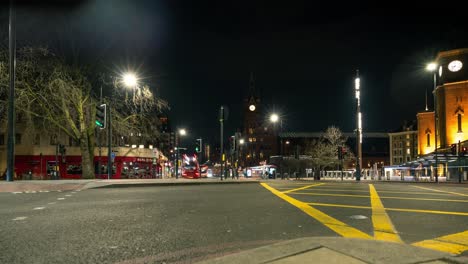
[65, 185]
[338, 250]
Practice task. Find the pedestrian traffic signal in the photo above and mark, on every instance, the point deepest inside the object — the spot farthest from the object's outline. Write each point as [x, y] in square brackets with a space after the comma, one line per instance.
[101, 114]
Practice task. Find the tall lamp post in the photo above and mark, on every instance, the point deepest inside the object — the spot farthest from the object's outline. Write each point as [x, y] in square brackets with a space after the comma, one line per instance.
[432, 68]
[182, 132]
[11, 98]
[357, 88]
[274, 118]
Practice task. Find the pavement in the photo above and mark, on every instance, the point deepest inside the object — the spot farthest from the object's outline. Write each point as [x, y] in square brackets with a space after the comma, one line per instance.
[67, 185]
[274, 221]
[337, 250]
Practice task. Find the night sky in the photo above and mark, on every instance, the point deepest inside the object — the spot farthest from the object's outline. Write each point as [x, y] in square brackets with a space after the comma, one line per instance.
[198, 55]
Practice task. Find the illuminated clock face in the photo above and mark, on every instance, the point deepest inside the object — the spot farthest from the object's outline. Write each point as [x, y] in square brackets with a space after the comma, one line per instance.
[440, 71]
[455, 65]
[252, 107]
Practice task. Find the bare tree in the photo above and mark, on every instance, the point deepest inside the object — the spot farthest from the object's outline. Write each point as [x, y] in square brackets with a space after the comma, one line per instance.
[53, 95]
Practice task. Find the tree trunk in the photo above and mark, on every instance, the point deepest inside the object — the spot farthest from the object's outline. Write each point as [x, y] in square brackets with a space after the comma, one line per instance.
[86, 162]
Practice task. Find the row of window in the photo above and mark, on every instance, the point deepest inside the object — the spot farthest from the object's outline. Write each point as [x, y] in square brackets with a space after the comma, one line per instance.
[400, 151]
[407, 136]
[400, 144]
[400, 160]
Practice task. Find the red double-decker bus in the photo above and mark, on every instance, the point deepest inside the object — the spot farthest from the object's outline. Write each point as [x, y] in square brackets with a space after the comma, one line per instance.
[190, 168]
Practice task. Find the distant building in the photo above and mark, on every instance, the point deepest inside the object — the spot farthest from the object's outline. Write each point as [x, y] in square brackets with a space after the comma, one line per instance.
[403, 144]
[259, 133]
[167, 138]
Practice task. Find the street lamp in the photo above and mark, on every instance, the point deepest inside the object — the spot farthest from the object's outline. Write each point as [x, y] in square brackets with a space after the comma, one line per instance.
[357, 89]
[432, 68]
[181, 132]
[274, 118]
[130, 79]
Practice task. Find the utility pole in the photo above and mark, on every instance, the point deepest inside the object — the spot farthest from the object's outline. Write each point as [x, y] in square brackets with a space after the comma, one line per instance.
[221, 121]
[99, 138]
[11, 98]
[177, 163]
[109, 144]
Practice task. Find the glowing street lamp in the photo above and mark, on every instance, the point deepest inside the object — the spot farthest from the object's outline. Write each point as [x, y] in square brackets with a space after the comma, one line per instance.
[241, 141]
[130, 79]
[182, 132]
[274, 118]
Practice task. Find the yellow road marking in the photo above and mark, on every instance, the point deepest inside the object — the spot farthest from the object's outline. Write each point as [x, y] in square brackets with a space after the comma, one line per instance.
[382, 197]
[435, 190]
[326, 188]
[332, 194]
[305, 187]
[454, 243]
[341, 205]
[330, 222]
[392, 209]
[383, 227]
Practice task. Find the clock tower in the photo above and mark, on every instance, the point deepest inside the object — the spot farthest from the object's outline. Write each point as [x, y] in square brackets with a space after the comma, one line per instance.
[451, 96]
[258, 133]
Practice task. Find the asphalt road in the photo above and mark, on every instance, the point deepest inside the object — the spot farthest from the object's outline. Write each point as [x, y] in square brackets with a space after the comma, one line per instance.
[189, 223]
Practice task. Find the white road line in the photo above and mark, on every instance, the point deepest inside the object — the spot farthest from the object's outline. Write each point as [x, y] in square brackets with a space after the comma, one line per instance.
[61, 198]
[16, 192]
[38, 208]
[68, 195]
[52, 203]
[19, 218]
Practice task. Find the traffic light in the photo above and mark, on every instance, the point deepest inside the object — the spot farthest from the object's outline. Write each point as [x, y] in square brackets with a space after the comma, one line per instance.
[453, 149]
[198, 145]
[101, 114]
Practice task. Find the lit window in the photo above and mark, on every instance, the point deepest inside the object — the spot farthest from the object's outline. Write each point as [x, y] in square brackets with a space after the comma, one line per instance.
[251, 131]
[408, 151]
[407, 136]
[407, 143]
[250, 139]
[254, 139]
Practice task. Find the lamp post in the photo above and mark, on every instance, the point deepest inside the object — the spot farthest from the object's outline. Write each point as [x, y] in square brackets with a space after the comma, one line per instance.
[11, 98]
[181, 132]
[432, 68]
[274, 118]
[357, 88]
[130, 81]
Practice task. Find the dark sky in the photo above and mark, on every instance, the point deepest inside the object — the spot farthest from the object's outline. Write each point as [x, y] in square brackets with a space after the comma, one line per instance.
[198, 55]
